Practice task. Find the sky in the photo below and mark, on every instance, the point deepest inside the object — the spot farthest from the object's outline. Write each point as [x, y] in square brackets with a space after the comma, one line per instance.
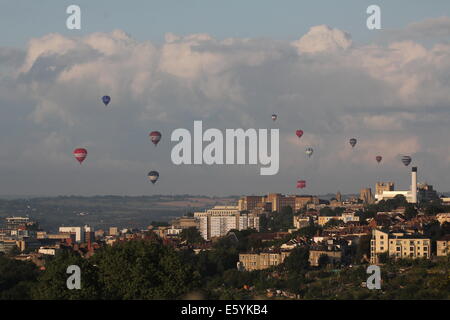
[231, 64]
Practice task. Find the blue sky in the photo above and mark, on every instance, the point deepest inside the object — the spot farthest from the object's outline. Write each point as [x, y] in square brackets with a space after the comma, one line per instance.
[150, 20]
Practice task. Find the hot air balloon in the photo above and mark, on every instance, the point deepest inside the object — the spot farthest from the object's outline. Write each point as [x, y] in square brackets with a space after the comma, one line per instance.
[301, 184]
[106, 100]
[153, 176]
[80, 154]
[353, 142]
[274, 117]
[378, 158]
[155, 136]
[406, 160]
[309, 151]
[299, 133]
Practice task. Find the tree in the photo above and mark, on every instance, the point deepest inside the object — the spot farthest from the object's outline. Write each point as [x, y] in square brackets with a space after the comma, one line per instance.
[323, 261]
[383, 257]
[279, 221]
[16, 279]
[333, 223]
[192, 236]
[410, 211]
[297, 261]
[363, 248]
[309, 231]
[53, 281]
[326, 212]
[144, 270]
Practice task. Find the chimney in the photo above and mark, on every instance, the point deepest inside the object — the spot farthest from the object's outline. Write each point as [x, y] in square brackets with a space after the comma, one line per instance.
[414, 185]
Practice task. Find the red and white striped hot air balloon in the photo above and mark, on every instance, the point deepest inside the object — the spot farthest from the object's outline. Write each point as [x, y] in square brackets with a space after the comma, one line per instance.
[80, 154]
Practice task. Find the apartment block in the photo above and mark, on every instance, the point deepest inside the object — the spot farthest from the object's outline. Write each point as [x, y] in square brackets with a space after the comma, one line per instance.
[399, 245]
[218, 221]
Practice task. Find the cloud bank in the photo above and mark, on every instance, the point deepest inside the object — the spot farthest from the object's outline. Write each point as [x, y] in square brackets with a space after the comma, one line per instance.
[393, 97]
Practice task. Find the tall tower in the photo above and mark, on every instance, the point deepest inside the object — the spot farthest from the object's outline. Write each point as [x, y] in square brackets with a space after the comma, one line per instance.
[414, 185]
[338, 197]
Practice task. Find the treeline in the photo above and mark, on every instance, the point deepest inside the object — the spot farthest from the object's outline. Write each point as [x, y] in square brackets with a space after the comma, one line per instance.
[146, 269]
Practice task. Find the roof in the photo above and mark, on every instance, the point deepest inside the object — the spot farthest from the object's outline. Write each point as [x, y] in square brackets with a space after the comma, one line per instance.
[444, 238]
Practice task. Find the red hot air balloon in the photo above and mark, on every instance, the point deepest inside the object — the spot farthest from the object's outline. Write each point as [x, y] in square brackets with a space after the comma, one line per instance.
[301, 184]
[378, 158]
[80, 154]
[299, 133]
[155, 136]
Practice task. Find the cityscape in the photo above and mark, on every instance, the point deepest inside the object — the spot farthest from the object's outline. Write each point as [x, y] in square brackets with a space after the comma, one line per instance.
[299, 242]
[224, 159]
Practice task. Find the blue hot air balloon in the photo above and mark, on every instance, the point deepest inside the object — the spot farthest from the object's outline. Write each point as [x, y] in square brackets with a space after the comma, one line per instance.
[106, 100]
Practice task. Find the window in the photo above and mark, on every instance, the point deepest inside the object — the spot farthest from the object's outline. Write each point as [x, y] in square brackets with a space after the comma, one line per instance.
[381, 237]
[398, 248]
[381, 248]
[425, 248]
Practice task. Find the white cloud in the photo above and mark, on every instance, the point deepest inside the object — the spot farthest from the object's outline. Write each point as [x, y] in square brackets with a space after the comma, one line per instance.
[323, 39]
[392, 96]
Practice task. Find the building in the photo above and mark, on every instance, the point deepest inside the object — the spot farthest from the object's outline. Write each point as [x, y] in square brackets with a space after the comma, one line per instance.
[263, 260]
[322, 220]
[385, 191]
[80, 232]
[302, 221]
[366, 196]
[334, 256]
[399, 245]
[426, 192]
[185, 223]
[249, 203]
[7, 245]
[345, 217]
[381, 187]
[14, 223]
[218, 221]
[113, 231]
[443, 217]
[443, 246]
[48, 251]
[275, 202]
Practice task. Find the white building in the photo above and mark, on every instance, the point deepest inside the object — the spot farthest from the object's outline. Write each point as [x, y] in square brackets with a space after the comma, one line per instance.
[410, 195]
[218, 221]
[47, 251]
[78, 231]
